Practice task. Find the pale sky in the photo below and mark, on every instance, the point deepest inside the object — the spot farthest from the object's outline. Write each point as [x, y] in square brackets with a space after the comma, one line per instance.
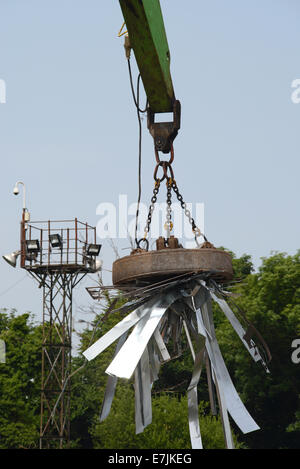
[68, 128]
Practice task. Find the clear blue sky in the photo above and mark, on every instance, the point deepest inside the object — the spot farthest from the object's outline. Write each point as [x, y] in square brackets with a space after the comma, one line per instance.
[69, 130]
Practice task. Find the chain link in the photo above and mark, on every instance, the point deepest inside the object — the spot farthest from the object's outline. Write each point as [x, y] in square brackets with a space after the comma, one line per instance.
[150, 212]
[171, 184]
[187, 213]
[149, 217]
[183, 205]
[169, 224]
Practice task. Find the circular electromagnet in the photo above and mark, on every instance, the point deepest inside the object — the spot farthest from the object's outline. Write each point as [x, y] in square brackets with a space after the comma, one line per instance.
[153, 266]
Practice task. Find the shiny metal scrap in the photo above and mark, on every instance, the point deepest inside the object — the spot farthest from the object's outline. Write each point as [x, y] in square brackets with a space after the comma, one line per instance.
[184, 303]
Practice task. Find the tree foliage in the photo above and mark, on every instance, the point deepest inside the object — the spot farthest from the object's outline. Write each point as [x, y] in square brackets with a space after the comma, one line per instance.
[168, 430]
[20, 381]
[270, 299]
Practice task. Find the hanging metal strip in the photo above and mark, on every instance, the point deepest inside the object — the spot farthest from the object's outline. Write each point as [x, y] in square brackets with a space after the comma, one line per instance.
[219, 382]
[111, 385]
[139, 422]
[154, 360]
[146, 388]
[234, 404]
[105, 341]
[193, 413]
[200, 299]
[253, 350]
[211, 390]
[192, 394]
[189, 340]
[224, 413]
[124, 364]
[161, 345]
[143, 404]
[248, 342]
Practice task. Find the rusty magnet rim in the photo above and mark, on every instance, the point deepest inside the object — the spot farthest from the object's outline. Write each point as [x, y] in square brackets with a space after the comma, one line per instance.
[166, 263]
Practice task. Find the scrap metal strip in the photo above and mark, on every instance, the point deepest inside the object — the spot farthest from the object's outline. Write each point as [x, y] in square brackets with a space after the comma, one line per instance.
[234, 404]
[111, 385]
[218, 379]
[143, 404]
[192, 393]
[161, 345]
[139, 422]
[198, 298]
[252, 349]
[154, 360]
[146, 388]
[124, 364]
[211, 390]
[113, 334]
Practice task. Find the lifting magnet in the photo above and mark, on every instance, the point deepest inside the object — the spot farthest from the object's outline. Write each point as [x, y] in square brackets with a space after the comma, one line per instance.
[153, 266]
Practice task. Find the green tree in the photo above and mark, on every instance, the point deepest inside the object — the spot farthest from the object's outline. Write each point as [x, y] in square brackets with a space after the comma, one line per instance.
[168, 430]
[270, 299]
[20, 381]
[88, 385]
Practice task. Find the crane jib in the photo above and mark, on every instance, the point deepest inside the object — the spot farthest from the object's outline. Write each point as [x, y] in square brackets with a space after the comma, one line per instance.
[147, 36]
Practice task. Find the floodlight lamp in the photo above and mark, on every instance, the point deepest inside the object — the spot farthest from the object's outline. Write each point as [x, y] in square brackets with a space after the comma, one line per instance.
[94, 264]
[12, 258]
[93, 249]
[32, 246]
[55, 240]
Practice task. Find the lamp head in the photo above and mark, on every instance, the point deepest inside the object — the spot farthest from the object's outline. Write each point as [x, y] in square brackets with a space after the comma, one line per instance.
[32, 246]
[56, 241]
[16, 190]
[93, 249]
[12, 258]
[94, 264]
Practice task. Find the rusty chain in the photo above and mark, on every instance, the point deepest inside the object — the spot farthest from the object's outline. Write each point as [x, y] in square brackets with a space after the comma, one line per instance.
[144, 240]
[169, 224]
[168, 174]
[187, 213]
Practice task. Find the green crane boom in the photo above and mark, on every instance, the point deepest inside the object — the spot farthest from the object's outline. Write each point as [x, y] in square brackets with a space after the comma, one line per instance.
[148, 40]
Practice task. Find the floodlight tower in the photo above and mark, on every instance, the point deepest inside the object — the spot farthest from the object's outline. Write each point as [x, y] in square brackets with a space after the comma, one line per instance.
[58, 254]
